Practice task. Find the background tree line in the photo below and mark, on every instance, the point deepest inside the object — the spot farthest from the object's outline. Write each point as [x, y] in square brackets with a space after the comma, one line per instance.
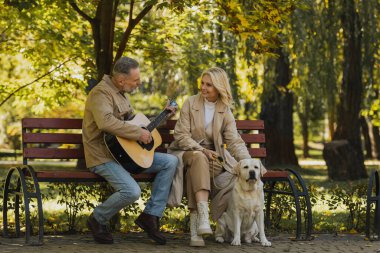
[317, 61]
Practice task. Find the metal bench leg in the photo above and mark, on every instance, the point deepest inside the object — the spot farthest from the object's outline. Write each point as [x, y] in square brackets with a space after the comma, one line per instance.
[369, 202]
[17, 207]
[373, 182]
[298, 207]
[377, 209]
[26, 205]
[28, 170]
[305, 194]
[21, 191]
[6, 193]
[17, 193]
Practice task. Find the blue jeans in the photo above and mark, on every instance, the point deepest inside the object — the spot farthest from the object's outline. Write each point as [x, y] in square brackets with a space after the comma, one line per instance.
[128, 191]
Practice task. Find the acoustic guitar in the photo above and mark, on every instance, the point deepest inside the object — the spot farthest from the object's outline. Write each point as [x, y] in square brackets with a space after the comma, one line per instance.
[136, 156]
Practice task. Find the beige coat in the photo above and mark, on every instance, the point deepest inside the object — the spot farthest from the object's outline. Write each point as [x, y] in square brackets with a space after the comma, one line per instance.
[190, 131]
[106, 111]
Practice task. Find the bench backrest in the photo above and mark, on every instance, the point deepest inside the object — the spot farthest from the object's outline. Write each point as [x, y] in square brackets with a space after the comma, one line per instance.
[61, 138]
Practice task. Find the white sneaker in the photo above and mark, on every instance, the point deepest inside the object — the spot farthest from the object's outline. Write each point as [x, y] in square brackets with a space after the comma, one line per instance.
[203, 224]
[195, 239]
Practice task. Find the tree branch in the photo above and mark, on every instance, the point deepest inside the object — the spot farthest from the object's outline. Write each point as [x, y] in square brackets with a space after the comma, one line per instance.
[39, 78]
[77, 9]
[131, 12]
[131, 24]
[142, 14]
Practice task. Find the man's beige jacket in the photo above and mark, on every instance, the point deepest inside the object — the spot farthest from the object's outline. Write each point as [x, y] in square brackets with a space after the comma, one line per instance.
[105, 111]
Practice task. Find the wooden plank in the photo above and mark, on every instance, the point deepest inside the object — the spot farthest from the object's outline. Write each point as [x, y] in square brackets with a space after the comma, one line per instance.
[250, 124]
[170, 124]
[240, 124]
[253, 138]
[53, 153]
[167, 138]
[257, 152]
[52, 138]
[52, 123]
[161, 150]
[275, 174]
[57, 176]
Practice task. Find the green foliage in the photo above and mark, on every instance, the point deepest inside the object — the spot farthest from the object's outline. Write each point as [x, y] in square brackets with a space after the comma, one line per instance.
[282, 209]
[74, 197]
[78, 198]
[353, 199]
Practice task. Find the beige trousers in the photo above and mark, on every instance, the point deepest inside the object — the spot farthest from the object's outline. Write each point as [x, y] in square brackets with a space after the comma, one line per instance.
[199, 173]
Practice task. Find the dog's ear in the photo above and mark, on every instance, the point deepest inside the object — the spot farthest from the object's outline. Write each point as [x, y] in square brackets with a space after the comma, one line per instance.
[237, 168]
[263, 170]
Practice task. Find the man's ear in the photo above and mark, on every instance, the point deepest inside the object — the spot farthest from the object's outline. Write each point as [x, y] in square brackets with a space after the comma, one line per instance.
[263, 170]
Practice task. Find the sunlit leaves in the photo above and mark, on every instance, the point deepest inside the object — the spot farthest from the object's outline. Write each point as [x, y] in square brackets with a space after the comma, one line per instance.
[261, 20]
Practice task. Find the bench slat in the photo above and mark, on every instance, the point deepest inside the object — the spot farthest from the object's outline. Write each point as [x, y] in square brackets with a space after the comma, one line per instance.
[52, 138]
[87, 175]
[254, 152]
[53, 153]
[250, 124]
[240, 124]
[167, 138]
[48, 176]
[253, 138]
[257, 152]
[275, 174]
[247, 138]
[52, 123]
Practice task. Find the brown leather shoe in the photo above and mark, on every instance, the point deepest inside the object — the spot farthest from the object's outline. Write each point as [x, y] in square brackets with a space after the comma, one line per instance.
[99, 231]
[150, 224]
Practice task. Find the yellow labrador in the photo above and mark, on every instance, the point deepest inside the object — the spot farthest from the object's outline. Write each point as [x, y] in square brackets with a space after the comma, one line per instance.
[244, 217]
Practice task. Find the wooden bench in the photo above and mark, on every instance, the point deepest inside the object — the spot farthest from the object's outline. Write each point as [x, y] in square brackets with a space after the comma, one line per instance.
[59, 138]
[373, 197]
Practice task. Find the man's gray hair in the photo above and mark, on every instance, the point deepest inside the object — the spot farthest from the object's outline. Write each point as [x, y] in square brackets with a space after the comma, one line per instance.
[124, 65]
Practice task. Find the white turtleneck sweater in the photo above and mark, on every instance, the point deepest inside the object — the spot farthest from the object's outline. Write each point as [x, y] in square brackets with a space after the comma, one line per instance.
[209, 111]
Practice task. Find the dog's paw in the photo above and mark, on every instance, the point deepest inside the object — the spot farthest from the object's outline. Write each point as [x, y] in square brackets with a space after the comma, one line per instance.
[266, 243]
[219, 239]
[236, 242]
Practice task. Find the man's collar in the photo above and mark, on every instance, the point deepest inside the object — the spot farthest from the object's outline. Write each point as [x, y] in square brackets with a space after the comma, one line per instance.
[107, 79]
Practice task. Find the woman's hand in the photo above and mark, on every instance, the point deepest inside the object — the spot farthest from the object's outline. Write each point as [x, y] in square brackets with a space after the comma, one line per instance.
[210, 154]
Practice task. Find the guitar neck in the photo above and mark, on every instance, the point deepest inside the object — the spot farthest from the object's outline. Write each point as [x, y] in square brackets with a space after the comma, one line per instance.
[157, 121]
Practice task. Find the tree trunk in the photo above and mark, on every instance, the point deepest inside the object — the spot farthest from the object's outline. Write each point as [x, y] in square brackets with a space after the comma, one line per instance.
[348, 123]
[277, 112]
[103, 34]
[366, 136]
[376, 140]
[340, 153]
[330, 77]
[303, 116]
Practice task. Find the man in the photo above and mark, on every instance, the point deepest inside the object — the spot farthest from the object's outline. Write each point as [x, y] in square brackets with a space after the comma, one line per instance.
[106, 110]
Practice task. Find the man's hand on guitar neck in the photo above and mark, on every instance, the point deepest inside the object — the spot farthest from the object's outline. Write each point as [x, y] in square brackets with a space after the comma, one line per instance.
[145, 136]
[172, 107]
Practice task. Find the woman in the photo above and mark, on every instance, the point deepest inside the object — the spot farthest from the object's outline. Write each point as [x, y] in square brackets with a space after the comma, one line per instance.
[206, 127]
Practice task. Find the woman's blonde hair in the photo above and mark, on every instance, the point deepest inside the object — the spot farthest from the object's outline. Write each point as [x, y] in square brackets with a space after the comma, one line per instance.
[220, 81]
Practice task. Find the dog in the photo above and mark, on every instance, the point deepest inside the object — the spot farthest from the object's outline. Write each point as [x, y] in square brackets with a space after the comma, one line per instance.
[244, 217]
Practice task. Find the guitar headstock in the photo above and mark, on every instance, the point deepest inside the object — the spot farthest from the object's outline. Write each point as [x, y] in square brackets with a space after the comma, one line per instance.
[173, 103]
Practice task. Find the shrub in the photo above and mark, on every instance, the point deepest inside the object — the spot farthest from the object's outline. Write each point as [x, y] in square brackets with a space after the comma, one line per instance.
[352, 199]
